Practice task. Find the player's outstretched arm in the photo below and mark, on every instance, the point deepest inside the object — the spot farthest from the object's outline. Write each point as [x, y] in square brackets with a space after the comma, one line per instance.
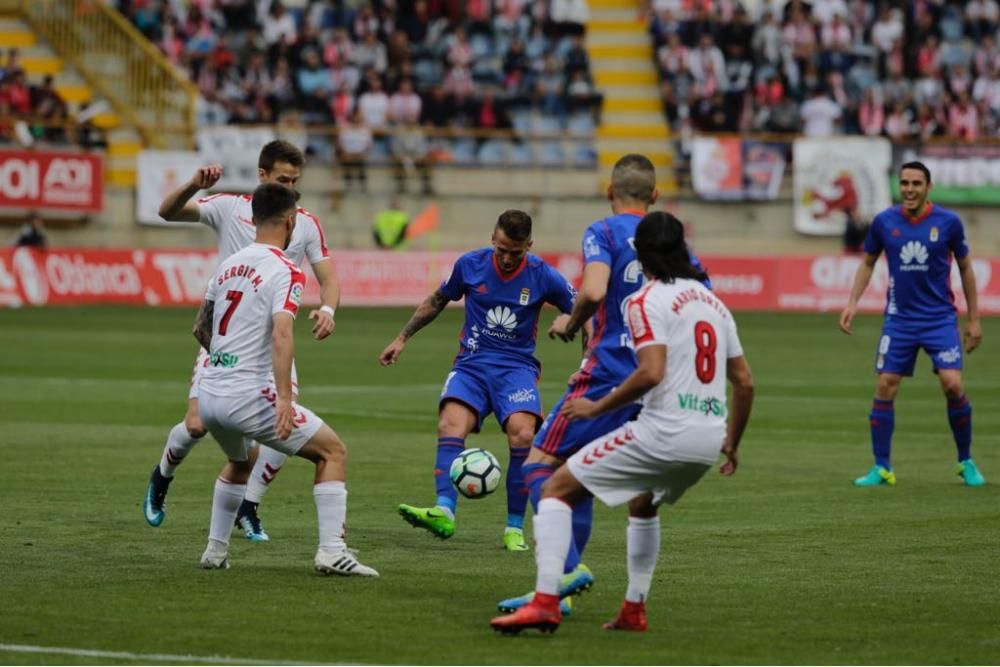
[178, 207]
[422, 316]
[861, 279]
[282, 350]
[652, 366]
[592, 291]
[203, 324]
[973, 335]
[329, 294]
[739, 375]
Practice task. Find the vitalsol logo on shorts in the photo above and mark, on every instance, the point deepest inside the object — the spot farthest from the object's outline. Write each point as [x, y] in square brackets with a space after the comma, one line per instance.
[914, 251]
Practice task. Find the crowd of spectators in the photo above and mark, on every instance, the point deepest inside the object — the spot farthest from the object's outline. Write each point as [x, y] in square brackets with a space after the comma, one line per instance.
[909, 70]
[379, 68]
[35, 112]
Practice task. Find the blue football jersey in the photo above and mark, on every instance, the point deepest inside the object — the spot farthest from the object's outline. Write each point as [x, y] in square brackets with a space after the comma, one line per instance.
[918, 252]
[612, 241]
[501, 313]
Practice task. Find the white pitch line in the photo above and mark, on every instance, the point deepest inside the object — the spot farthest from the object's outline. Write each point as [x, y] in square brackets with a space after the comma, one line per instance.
[143, 657]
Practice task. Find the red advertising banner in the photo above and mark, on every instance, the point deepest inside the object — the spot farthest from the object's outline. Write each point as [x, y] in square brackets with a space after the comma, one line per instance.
[43, 180]
[822, 283]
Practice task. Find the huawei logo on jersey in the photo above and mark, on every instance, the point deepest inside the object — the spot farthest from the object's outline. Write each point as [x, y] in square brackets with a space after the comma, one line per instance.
[913, 257]
[501, 316]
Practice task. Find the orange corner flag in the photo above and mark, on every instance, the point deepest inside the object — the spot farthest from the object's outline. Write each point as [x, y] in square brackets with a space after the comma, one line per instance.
[424, 222]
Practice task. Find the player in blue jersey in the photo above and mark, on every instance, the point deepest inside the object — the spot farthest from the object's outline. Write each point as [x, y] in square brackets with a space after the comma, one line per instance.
[919, 239]
[611, 273]
[495, 371]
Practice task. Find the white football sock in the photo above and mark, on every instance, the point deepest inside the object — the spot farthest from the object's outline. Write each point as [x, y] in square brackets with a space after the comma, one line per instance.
[331, 513]
[643, 550]
[225, 503]
[553, 533]
[179, 444]
[269, 462]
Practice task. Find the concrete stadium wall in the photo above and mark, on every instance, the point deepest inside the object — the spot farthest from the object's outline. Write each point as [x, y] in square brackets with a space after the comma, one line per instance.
[561, 204]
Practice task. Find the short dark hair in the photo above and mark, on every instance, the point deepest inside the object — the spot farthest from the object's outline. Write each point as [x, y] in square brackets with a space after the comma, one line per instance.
[280, 151]
[271, 203]
[919, 166]
[633, 178]
[660, 247]
[515, 224]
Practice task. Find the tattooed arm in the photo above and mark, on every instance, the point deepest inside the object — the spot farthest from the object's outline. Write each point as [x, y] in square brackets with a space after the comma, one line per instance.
[422, 316]
[203, 324]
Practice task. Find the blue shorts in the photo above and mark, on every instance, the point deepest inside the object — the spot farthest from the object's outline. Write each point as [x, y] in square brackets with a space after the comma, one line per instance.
[502, 391]
[900, 343]
[562, 438]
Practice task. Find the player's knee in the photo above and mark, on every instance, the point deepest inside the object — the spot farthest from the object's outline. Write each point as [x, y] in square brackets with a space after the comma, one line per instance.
[521, 438]
[952, 387]
[449, 426]
[561, 485]
[332, 449]
[195, 427]
[887, 386]
[642, 507]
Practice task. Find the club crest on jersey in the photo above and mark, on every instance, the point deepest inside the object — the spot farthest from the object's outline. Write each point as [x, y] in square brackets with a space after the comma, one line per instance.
[296, 294]
[934, 234]
[525, 296]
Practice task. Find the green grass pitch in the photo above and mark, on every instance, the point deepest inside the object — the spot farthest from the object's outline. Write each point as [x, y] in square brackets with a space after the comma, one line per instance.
[784, 563]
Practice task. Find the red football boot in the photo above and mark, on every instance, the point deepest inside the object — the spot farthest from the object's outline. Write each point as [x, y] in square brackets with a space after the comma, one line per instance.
[542, 613]
[632, 616]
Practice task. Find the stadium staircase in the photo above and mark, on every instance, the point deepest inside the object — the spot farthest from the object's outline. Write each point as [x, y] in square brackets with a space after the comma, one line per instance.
[621, 56]
[98, 58]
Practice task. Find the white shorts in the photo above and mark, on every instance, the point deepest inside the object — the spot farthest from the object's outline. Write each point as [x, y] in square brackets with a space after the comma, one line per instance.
[201, 363]
[623, 465]
[234, 421]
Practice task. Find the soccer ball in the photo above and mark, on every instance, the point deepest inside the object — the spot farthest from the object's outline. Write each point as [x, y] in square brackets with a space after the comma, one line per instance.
[475, 473]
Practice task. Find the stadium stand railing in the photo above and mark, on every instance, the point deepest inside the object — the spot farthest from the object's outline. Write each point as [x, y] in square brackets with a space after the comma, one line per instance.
[118, 62]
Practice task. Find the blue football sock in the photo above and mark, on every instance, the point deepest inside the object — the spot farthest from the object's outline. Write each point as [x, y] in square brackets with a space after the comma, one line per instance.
[517, 492]
[883, 422]
[535, 475]
[583, 519]
[960, 420]
[448, 450]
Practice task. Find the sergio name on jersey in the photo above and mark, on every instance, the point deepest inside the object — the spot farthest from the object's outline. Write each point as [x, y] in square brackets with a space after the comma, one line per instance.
[231, 216]
[501, 312]
[918, 252]
[700, 335]
[248, 289]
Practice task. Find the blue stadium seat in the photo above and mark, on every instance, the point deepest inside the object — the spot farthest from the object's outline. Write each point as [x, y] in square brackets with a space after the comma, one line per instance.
[492, 152]
[584, 155]
[521, 154]
[581, 124]
[464, 151]
[550, 154]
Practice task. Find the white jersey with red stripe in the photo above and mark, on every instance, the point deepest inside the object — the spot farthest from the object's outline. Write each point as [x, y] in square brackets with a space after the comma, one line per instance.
[700, 336]
[231, 216]
[248, 290]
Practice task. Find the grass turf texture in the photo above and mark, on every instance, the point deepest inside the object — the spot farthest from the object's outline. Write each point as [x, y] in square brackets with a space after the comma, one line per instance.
[784, 563]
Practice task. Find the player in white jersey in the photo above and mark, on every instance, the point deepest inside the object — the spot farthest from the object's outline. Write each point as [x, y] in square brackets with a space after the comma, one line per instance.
[246, 392]
[231, 216]
[687, 346]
